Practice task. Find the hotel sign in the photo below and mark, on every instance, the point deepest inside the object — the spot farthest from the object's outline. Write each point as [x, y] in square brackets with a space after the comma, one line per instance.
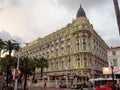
[108, 70]
[116, 70]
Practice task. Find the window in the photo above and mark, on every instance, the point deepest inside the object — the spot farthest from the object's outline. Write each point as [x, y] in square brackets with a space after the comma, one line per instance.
[52, 66]
[78, 48]
[68, 49]
[85, 63]
[85, 57]
[113, 53]
[84, 34]
[57, 65]
[78, 57]
[69, 58]
[78, 64]
[84, 47]
[115, 62]
[84, 41]
[77, 41]
[69, 61]
[62, 64]
[56, 52]
[77, 35]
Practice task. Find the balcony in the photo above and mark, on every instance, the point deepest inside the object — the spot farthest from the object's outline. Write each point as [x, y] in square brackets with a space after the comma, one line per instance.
[84, 42]
[77, 43]
[84, 35]
[77, 35]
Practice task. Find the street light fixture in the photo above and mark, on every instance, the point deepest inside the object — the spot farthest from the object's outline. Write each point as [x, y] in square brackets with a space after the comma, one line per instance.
[18, 61]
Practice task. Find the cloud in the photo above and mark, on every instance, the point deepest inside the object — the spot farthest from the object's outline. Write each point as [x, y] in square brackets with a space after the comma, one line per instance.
[9, 3]
[7, 36]
[88, 4]
[113, 42]
[14, 2]
[100, 13]
[31, 19]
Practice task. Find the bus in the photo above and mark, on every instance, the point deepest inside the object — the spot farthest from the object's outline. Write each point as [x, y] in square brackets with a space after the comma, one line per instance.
[105, 83]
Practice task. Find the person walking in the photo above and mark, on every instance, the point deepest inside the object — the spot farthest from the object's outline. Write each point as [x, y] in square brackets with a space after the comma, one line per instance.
[45, 85]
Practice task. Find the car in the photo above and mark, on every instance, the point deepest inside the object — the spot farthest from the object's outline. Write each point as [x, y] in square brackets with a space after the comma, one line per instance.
[77, 86]
[63, 85]
[34, 81]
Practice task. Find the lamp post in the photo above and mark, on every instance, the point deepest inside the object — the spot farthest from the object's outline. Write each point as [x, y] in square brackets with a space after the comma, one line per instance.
[92, 73]
[113, 77]
[16, 79]
[18, 61]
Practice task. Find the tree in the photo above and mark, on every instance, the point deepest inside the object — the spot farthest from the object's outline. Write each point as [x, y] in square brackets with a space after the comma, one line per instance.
[1, 46]
[34, 67]
[42, 63]
[9, 46]
[6, 63]
[26, 68]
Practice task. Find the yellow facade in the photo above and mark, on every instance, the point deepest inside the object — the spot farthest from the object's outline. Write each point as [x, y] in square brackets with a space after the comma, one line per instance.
[75, 50]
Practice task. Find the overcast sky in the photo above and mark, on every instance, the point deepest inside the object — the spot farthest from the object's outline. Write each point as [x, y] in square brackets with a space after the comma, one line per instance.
[27, 20]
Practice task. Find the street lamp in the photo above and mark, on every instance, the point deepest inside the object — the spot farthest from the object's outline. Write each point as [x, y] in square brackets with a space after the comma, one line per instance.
[92, 73]
[18, 61]
[113, 77]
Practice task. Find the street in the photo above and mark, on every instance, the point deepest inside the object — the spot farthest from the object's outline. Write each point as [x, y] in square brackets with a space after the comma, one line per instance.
[38, 88]
[51, 89]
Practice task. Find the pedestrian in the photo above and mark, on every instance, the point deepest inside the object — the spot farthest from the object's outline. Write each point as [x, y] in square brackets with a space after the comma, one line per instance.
[45, 84]
[71, 82]
[61, 84]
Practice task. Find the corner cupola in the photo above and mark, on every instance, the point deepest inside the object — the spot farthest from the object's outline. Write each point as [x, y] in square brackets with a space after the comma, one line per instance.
[81, 12]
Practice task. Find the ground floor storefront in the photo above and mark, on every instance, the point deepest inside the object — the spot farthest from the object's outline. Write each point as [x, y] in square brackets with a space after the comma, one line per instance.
[73, 76]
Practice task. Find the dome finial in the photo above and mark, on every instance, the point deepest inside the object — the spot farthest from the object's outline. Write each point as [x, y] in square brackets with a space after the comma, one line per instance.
[80, 6]
[81, 12]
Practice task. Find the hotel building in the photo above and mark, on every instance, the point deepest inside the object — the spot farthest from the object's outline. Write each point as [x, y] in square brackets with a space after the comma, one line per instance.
[74, 50]
[114, 59]
[114, 56]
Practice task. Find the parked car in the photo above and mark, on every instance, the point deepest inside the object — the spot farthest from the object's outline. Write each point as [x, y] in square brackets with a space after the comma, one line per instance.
[80, 86]
[34, 81]
[63, 85]
[77, 86]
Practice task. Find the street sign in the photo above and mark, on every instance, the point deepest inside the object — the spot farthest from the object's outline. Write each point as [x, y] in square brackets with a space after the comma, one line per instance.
[15, 74]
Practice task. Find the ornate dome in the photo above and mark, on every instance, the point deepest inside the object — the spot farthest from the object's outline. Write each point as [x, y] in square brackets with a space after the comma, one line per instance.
[81, 12]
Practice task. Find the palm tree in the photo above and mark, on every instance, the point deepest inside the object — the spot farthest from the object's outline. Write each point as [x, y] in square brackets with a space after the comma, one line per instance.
[42, 63]
[34, 67]
[1, 46]
[9, 46]
[6, 63]
[25, 68]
